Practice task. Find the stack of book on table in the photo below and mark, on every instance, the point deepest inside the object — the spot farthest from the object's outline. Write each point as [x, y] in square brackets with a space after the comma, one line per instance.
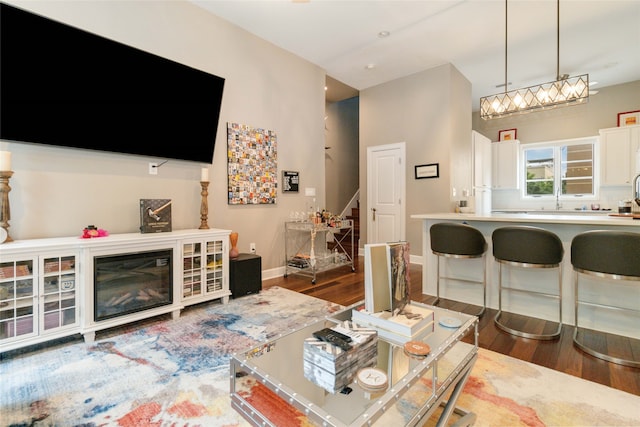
[333, 368]
[414, 319]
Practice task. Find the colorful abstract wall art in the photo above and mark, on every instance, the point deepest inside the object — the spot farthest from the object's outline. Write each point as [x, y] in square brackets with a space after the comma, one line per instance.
[252, 164]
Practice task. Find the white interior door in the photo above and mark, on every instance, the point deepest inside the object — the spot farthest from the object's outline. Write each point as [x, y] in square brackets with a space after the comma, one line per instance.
[386, 174]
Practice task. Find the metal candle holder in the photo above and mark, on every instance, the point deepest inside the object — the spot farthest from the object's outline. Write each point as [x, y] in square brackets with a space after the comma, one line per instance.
[5, 210]
[204, 206]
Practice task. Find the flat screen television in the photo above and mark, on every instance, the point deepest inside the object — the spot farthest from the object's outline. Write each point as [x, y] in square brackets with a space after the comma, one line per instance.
[63, 86]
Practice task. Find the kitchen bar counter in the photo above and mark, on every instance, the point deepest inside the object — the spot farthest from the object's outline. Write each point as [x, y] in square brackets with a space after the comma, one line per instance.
[544, 217]
[566, 226]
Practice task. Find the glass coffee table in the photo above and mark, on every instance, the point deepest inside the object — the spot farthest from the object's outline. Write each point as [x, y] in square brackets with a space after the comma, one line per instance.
[269, 386]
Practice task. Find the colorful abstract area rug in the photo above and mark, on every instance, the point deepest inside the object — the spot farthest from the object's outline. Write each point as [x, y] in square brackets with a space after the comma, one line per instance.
[504, 391]
[165, 372]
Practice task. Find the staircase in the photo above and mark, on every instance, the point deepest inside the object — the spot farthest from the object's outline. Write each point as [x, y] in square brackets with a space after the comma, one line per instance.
[346, 239]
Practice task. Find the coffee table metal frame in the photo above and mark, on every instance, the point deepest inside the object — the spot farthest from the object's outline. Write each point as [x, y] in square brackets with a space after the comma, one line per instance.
[445, 394]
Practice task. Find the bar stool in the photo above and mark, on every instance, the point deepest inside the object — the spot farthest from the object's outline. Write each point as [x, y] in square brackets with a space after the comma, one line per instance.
[527, 247]
[453, 240]
[613, 255]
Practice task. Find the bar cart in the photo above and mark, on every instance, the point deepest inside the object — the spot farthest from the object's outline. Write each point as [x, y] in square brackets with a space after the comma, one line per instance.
[307, 249]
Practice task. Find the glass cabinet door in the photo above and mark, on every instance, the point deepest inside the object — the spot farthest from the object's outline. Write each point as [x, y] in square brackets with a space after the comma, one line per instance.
[191, 269]
[202, 272]
[59, 295]
[17, 299]
[214, 266]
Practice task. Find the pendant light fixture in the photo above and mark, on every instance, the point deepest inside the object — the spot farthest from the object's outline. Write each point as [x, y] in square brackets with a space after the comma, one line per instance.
[563, 91]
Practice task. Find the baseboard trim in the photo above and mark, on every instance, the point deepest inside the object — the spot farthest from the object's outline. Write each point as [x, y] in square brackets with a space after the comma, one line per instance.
[272, 273]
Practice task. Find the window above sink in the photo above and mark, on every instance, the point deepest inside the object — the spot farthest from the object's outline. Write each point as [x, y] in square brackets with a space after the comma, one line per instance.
[561, 170]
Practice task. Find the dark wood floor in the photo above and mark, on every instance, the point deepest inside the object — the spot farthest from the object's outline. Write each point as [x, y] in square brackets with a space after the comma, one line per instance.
[345, 287]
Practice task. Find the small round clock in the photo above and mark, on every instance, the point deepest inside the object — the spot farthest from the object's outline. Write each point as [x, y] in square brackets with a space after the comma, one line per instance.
[372, 378]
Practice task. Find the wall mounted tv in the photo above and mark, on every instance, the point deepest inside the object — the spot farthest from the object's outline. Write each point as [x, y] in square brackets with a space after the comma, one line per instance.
[67, 87]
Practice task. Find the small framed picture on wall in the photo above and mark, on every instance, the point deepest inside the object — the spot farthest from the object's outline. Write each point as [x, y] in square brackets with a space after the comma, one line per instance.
[430, 170]
[508, 135]
[290, 181]
[629, 118]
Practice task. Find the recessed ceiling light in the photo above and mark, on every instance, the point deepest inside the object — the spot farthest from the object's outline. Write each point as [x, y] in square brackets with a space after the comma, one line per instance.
[370, 66]
[383, 34]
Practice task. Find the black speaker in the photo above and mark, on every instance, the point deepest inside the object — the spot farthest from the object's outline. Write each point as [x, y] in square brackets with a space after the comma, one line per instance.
[245, 275]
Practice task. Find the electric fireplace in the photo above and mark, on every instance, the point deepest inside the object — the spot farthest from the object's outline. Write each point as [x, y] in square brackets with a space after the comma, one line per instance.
[132, 282]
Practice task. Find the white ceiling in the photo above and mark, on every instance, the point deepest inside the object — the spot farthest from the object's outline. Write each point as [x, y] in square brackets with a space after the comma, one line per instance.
[598, 37]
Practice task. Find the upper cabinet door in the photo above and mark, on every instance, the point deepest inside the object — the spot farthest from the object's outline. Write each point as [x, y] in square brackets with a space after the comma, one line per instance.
[482, 156]
[618, 153]
[505, 165]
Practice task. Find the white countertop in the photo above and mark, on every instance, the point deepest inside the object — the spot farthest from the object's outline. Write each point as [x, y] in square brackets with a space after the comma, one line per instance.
[577, 218]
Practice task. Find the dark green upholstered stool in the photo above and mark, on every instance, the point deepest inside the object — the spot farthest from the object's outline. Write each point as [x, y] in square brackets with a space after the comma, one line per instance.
[527, 247]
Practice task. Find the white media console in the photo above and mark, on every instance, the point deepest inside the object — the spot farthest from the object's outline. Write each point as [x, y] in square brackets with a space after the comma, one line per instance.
[47, 286]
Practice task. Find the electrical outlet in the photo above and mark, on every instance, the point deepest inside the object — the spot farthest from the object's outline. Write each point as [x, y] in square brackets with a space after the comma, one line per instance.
[153, 169]
[252, 248]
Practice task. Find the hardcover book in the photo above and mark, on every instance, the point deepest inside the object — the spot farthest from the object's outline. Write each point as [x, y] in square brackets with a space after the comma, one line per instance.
[155, 215]
[386, 277]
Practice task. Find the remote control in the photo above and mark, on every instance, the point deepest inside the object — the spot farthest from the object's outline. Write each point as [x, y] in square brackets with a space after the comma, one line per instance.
[340, 335]
[332, 339]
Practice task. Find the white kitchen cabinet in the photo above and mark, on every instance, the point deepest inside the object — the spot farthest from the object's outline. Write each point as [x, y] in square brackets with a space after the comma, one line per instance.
[618, 153]
[505, 168]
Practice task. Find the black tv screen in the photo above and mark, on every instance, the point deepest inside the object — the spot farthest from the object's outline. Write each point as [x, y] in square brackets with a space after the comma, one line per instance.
[63, 86]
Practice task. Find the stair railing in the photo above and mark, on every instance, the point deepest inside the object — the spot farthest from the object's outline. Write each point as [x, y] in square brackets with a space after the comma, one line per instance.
[353, 203]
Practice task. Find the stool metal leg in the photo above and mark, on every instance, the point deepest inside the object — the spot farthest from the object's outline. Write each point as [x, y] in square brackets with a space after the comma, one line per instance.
[583, 346]
[501, 325]
[437, 280]
[484, 281]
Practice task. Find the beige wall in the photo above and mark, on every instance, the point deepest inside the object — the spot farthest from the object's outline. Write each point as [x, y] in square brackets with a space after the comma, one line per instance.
[429, 111]
[57, 192]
